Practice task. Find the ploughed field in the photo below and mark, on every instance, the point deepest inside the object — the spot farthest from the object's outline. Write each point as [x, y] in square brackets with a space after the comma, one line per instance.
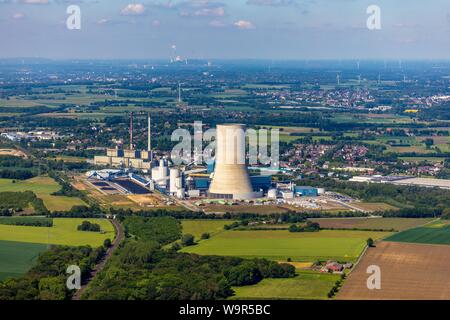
[397, 224]
[408, 271]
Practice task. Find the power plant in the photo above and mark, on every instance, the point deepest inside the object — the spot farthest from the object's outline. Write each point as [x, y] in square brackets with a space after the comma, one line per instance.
[226, 178]
[231, 179]
[128, 158]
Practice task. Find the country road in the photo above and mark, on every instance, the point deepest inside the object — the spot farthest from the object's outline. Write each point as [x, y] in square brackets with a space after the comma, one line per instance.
[99, 267]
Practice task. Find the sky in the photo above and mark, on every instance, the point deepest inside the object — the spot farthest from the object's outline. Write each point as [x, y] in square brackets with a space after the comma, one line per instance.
[225, 29]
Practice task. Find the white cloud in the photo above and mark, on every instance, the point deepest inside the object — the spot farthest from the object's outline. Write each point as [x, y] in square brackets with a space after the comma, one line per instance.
[156, 23]
[244, 24]
[35, 1]
[133, 9]
[210, 12]
[103, 21]
[217, 24]
[272, 3]
[18, 15]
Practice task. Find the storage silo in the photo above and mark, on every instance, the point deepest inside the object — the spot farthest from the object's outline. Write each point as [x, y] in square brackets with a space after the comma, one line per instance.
[231, 179]
[173, 177]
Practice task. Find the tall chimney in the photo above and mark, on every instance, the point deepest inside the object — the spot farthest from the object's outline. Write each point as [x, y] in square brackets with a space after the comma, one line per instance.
[131, 131]
[149, 145]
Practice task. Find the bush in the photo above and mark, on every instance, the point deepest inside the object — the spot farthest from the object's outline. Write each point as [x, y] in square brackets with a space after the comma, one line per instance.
[205, 236]
[244, 274]
[187, 240]
[88, 226]
[107, 243]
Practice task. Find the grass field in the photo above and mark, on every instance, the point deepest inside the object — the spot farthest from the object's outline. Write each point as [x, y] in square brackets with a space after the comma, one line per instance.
[198, 227]
[63, 232]
[434, 233]
[43, 187]
[280, 245]
[398, 224]
[306, 285]
[17, 257]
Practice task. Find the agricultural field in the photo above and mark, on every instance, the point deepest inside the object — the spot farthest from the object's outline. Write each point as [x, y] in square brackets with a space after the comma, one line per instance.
[63, 232]
[306, 285]
[373, 206]
[408, 272]
[198, 227]
[280, 245]
[43, 187]
[437, 232]
[16, 258]
[398, 224]
[261, 209]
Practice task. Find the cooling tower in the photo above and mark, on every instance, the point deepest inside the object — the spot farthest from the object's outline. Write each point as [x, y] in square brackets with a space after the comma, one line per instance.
[231, 179]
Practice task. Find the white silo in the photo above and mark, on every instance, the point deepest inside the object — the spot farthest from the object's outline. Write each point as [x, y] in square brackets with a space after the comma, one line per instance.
[174, 175]
[272, 194]
[231, 179]
[163, 173]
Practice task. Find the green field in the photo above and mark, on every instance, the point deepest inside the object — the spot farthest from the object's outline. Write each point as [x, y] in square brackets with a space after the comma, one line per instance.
[198, 227]
[306, 285]
[16, 258]
[280, 245]
[434, 233]
[63, 232]
[43, 187]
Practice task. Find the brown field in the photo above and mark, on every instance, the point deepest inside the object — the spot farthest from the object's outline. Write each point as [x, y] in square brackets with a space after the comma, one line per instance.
[12, 153]
[299, 265]
[145, 200]
[398, 224]
[408, 272]
[262, 209]
[373, 206]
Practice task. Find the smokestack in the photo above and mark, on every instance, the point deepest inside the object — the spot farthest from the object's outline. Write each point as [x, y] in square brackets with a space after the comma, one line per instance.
[231, 178]
[149, 142]
[131, 131]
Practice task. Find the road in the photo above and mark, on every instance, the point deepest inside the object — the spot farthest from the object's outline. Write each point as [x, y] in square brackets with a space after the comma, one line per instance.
[99, 267]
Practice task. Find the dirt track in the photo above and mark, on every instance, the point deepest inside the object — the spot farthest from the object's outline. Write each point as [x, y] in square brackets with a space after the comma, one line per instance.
[408, 272]
[99, 267]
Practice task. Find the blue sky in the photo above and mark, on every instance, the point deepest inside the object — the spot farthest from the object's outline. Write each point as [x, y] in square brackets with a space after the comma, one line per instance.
[263, 29]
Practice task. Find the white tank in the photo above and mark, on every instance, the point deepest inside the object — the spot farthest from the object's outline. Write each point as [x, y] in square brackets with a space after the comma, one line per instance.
[155, 173]
[174, 175]
[180, 194]
[320, 190]
[163, 173]
[272, 194]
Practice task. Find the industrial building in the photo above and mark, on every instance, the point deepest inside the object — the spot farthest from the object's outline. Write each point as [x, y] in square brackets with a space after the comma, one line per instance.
[128, 158]
[405, 181]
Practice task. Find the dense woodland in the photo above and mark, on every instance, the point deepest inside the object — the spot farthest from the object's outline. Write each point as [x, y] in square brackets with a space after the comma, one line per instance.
[142, 270]
[47, 279]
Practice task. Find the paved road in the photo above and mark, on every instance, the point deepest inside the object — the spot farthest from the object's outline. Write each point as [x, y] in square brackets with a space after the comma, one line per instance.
[99, 267]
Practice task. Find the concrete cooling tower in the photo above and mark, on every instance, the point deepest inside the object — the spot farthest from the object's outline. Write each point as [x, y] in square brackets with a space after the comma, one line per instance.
[231, 179]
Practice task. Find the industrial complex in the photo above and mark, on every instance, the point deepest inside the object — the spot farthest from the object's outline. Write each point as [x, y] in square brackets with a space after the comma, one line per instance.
[130, 171]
